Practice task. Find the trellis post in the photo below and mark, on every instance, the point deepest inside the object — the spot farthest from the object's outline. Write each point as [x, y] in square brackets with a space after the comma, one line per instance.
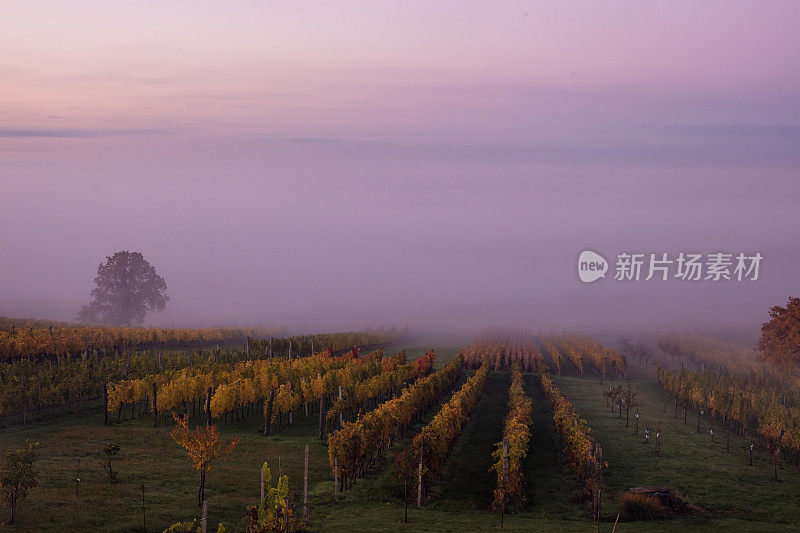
[305, 486]
[419, 477]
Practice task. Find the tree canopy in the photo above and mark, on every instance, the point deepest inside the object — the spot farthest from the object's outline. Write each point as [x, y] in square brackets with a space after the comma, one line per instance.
[126, 287]
[780, 337]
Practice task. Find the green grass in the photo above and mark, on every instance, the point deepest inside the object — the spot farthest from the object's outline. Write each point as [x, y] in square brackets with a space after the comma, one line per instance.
[738, 497]
[73, 448]
[465, 479]
[689, 462]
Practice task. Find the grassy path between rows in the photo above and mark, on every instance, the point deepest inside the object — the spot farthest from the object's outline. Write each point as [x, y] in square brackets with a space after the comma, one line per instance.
[738, 497]
[465, 478]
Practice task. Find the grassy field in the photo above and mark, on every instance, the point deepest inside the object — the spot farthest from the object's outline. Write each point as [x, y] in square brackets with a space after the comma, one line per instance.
[736, 496]
[704, 472]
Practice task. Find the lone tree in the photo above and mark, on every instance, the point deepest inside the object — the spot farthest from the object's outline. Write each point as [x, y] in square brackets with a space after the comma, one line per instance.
[780, 337]
[126, 287]
[203, 446]
[17, 475]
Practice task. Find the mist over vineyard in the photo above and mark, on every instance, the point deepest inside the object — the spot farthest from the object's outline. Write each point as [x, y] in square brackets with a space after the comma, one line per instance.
[399, 266]
[437, 245]
[399, 187]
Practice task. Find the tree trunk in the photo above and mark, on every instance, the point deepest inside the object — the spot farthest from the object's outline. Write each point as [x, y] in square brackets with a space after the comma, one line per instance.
[13, 507]
[202, 492]
[775, 466]
[268, 415]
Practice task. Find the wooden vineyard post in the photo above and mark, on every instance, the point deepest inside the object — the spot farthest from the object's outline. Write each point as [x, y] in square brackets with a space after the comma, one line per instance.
[658, 434]
[419, 478]
[605, 362]
[262, 485]
[105, 404]
[341, 422]
[599, 482]
[155, 405]
[24, 407]
[775, 450]
[335, 476]
[209, 393]
[204, 518]
[268, 416]
[305, 400]
[751, 454]
[305, 487]
[247, 346]
[321, 429]
[637, 424]
[775, 464]
[503, 482]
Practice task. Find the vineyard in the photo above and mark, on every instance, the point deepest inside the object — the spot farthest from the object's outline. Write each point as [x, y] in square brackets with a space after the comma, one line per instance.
[34, 389]
[37, 338]
[378, 431]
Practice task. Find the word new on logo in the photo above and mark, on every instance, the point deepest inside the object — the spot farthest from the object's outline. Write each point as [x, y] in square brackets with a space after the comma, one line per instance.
[591, 266]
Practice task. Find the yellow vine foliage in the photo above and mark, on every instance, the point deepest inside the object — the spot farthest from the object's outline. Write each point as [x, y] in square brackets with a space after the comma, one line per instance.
[517, 431]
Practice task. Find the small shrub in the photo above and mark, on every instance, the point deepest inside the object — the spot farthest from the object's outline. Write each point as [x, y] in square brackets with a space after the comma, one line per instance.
[640, 507]
[111, 450]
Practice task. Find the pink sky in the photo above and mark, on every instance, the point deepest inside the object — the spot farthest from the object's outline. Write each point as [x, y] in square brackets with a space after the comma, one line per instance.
[340, 164]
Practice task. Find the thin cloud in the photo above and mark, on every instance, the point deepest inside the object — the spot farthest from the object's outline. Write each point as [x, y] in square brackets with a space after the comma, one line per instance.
[326, 140]
[306, 139]
[749, 131]
[73, 132]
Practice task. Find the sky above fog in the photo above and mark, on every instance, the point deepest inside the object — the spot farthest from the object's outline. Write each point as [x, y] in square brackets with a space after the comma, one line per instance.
[431, 164]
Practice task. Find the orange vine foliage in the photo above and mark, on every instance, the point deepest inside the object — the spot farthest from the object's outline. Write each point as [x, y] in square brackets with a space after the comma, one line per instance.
[201, 443]
[504, 349]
